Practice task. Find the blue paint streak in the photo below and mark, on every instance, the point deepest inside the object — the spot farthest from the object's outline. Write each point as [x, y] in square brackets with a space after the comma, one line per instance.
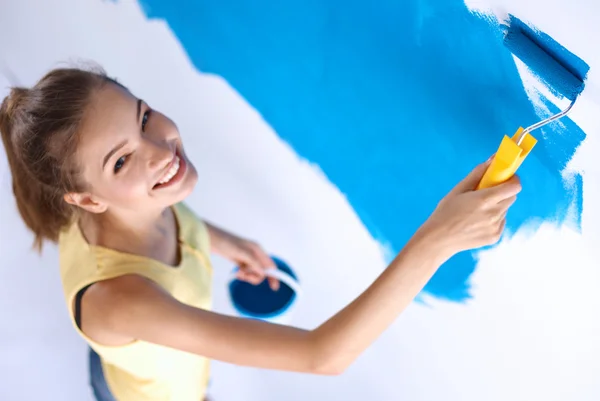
[395, 101]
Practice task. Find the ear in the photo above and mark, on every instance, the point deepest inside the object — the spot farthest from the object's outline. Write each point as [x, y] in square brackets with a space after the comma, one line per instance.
[85, 201]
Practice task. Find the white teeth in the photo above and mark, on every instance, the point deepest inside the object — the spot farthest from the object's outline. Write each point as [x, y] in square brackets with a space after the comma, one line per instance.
[171, 173]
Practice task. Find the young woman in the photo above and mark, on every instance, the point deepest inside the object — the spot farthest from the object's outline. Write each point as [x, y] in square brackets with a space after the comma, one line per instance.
[99, 172]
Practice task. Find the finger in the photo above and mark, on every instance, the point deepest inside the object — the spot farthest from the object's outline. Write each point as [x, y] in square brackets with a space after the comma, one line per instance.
[266, 263]
[253, 265]
[241, 275]
[503, 206]
[507, 203]
[249, 277]
[502, 192]
[263, 258]
[500, 231]
[254, 279]
[495, 233]
[502, 218]
[273, 283]
[499, 212]
[470, 182]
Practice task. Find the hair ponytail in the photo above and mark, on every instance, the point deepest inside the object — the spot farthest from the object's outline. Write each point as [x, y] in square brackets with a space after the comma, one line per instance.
[39, 128]
[31, 197]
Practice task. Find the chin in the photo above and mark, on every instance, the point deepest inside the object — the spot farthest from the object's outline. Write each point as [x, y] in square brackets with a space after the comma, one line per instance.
[188, 185]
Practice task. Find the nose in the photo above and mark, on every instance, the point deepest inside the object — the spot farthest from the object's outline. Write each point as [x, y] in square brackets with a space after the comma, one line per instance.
[160, 154]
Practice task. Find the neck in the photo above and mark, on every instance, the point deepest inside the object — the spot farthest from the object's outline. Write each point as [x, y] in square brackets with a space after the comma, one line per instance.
[118, 229]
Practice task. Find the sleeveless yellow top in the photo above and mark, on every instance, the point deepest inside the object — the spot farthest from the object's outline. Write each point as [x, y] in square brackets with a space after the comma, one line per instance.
[141, 371]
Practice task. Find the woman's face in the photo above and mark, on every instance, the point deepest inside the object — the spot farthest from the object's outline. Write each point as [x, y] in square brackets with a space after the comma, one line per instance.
[132, 156]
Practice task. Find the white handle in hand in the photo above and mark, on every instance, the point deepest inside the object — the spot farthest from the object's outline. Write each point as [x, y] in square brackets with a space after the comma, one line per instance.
[281, 276]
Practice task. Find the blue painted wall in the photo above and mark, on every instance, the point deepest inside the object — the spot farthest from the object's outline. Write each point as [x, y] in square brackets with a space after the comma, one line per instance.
[395, 100]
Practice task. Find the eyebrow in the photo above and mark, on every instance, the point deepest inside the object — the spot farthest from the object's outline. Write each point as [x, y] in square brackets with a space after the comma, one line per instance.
[139, 109]
[112, 152]
[120, 145]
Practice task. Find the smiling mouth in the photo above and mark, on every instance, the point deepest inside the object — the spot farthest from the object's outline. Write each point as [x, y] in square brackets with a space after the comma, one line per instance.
[174, 172]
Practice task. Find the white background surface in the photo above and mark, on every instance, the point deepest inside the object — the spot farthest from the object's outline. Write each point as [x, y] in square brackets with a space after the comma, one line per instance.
[531, 332]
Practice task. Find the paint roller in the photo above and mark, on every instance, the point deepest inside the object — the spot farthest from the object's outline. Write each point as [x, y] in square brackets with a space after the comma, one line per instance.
[554, 72]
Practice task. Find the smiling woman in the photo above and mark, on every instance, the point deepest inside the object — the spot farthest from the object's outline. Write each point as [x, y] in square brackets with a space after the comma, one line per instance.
[146, 169]
[173, 166]
[96, 170]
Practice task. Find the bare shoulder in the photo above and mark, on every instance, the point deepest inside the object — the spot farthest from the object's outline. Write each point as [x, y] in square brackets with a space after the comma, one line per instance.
[110, 307]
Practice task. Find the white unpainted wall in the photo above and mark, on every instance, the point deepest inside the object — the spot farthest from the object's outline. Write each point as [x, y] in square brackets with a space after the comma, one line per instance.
[530, 333]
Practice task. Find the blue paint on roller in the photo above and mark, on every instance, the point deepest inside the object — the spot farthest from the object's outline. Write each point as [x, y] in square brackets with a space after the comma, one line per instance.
[563, 72]
[260, 301]
[394, 100]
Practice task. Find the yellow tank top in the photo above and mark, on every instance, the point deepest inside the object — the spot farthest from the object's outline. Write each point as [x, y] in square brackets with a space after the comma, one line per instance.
[141, 371]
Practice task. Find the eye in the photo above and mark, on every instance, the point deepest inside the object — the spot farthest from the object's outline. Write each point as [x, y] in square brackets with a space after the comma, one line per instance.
[145, 118]
[120, 163]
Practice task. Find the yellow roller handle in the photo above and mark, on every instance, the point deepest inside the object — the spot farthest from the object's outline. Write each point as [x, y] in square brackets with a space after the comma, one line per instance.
[507, 159]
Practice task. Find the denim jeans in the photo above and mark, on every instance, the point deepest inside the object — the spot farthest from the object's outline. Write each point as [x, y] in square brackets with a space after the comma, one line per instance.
[97, 380]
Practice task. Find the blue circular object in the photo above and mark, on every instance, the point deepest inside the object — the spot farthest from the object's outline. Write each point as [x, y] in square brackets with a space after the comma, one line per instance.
[260, 301]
